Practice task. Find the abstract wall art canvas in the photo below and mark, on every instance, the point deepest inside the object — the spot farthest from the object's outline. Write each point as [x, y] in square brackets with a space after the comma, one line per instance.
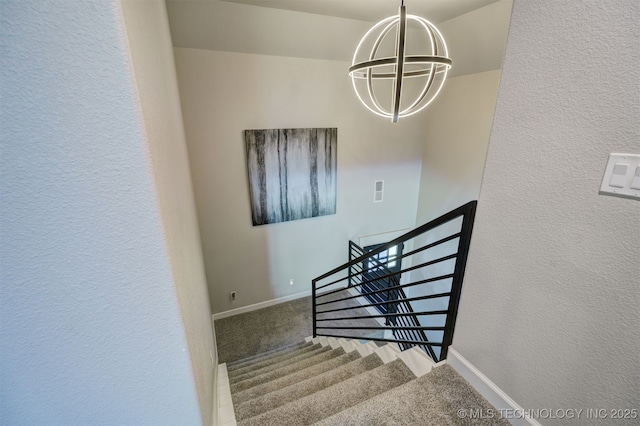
[292, 173]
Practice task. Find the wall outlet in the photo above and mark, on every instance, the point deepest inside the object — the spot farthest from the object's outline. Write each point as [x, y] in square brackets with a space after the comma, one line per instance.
[291, 281]
[233, 295]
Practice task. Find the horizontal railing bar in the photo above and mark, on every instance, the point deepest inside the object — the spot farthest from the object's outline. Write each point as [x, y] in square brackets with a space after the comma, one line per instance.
[410, 321]
[327, 293]
[447, 217]
[379, 276]
[398, 311]
[391, 274]
[382, 328]
[425, 281]
[404, 255]
[428, 246]
[352, 297]
[399, 287]
[431, 262]
[411, 318]
[418, 336]
[383, 340]
[397, 314]
[333, 282]
[412, 299]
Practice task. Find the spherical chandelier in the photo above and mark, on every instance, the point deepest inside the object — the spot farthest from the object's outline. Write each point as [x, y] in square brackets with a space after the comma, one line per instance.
[385, 69]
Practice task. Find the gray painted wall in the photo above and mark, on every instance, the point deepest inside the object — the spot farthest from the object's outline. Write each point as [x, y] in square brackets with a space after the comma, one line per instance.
[94, 294]
[458, 130]
[225, 93]
[549, 311]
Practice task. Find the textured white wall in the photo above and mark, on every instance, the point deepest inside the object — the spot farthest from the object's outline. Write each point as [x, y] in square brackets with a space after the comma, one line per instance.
[225, 93]
[549, 311]
[155, 76]
[458, 129]
[91, 327]
[476, 39]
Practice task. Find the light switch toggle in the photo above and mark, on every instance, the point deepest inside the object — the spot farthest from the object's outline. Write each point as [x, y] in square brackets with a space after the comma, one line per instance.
[619, 175]
[622, 176]
[635, 183]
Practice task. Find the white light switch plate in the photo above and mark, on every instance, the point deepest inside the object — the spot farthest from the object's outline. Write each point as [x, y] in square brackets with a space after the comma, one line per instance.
[620, 176]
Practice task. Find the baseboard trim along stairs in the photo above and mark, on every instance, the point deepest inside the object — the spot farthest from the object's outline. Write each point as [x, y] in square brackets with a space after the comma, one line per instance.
[335, 382]
[490, 391]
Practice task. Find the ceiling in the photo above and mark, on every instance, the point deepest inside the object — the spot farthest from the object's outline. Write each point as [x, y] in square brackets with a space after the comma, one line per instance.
[475, 30]
[373, 10]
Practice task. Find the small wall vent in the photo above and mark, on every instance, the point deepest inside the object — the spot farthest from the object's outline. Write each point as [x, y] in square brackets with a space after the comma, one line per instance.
[378, 191]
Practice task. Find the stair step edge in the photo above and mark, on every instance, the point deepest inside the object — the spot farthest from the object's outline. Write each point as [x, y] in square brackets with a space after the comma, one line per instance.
[295, 377]
[387, 376]
[273, 360]
[274, 366]
[419, 362]
[306, 387]
[282, 371]
[233, 365]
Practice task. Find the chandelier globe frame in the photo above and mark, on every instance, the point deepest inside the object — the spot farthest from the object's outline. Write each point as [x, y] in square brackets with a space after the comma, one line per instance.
[368, 67]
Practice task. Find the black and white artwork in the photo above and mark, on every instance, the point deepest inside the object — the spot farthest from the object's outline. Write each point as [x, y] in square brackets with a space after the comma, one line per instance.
[292, 173]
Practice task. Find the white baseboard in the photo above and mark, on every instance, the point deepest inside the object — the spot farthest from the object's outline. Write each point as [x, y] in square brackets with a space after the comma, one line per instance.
[513, 412]
[214, 378]
[260, 305]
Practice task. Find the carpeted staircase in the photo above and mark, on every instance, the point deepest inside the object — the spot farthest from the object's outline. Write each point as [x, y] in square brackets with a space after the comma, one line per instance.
[330, 381]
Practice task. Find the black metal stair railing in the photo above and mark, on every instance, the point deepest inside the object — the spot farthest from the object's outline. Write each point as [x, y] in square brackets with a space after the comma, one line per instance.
[396, 302]
[413, 305]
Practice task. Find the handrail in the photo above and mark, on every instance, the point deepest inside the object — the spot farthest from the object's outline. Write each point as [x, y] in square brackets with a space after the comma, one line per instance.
[385, 291]
[469, 208]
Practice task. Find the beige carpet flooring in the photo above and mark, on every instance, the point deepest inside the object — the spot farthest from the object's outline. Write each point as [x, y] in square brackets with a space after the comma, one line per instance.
[244, 335]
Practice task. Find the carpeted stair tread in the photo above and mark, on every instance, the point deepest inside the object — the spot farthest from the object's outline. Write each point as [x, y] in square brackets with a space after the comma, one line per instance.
[277, 365]
[272, 360]
[290, 352]
[298, 376]
[338, 397]
[288, 368]
[295, 391]
[433, 399]
[264, 355]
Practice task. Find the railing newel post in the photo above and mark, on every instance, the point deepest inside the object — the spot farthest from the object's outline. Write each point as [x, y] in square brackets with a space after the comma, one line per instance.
[458, 276]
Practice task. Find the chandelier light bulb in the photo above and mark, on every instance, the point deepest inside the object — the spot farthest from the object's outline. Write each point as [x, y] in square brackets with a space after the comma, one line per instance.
[385, 70]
